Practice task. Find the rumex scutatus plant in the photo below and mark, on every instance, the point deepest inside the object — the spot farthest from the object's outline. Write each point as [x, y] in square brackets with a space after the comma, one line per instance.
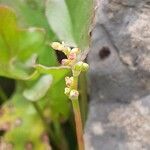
[71, 89]
[33, 116]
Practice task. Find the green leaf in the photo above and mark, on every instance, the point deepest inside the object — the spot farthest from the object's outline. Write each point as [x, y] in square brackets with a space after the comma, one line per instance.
[59, 19]
[27, 8]
[32, 13]
[39, 90]
[17, 45]
[58, 73]
[70, 20]
[57, 101]
[23, 126]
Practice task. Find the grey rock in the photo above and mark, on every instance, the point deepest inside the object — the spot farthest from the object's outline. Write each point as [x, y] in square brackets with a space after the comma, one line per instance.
[119, 77]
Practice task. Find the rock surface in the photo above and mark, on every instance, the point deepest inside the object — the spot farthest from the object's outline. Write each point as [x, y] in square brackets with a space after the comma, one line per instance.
[119, 77]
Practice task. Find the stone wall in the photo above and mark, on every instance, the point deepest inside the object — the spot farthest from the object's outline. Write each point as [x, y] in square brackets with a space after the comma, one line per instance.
[119, 77]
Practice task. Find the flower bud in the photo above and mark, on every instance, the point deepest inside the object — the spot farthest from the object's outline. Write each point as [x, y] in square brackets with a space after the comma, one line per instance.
[67, 91]
[78, 66]
[75, 50]
[69, 81]
[85, 67]
[57, 46]
[74, 94]
[65, 62]
[72, 56]
[67, 51]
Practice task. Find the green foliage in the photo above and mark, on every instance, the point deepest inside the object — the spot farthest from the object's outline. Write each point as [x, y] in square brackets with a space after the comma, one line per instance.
[57, 72]
[81, 16]
[24, 127]
[71, 23]
[58, 101]
[39, 89]
[32, 13]
[25, 55]
[17, 45]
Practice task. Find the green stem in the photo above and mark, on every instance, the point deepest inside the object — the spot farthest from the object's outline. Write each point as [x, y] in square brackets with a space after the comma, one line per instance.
[36, 106]
[77, 116]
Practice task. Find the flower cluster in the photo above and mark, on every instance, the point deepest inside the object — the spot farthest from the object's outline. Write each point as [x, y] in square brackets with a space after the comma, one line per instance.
[69, 90]
[70, 53]
[76, 67]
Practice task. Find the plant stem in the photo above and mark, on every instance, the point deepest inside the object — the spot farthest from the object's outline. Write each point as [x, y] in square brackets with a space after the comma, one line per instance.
[36, 106]
[78, 120]
[83, 96]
